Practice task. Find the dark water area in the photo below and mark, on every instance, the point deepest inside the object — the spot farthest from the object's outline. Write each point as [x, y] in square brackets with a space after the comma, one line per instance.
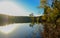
[24, 30]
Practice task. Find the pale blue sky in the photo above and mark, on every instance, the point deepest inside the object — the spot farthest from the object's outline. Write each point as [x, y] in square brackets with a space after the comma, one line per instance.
[28, 5]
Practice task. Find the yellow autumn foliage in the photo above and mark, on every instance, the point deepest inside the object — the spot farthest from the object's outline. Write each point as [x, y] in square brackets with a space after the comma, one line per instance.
[48, 10]
[55, 11]
[44, 17]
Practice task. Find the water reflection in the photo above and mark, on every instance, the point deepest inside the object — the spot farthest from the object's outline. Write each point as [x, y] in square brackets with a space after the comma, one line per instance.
[25, 30]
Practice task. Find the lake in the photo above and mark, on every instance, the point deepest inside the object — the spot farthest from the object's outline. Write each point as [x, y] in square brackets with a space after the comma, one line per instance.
[23, 30]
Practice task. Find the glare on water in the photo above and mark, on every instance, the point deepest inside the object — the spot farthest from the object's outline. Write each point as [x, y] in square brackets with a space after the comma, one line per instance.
[8, 28]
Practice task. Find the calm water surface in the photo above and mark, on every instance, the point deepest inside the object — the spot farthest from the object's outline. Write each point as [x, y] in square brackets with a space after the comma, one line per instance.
[25, 30]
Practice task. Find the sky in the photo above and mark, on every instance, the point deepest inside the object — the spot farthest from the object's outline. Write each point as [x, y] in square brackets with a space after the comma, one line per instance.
[30, 5]
[21, 7]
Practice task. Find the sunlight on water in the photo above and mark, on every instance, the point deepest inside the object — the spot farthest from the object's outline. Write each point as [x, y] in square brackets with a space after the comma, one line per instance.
[21, 30]
[8, 28]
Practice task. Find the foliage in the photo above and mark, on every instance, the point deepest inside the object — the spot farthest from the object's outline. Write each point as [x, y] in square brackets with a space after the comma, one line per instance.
[52, 20]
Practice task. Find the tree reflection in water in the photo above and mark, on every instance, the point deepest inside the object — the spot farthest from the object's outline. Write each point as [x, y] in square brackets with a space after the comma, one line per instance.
[37, 31]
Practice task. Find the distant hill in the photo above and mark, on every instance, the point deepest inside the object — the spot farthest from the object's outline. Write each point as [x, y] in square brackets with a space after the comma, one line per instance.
[17, 19]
